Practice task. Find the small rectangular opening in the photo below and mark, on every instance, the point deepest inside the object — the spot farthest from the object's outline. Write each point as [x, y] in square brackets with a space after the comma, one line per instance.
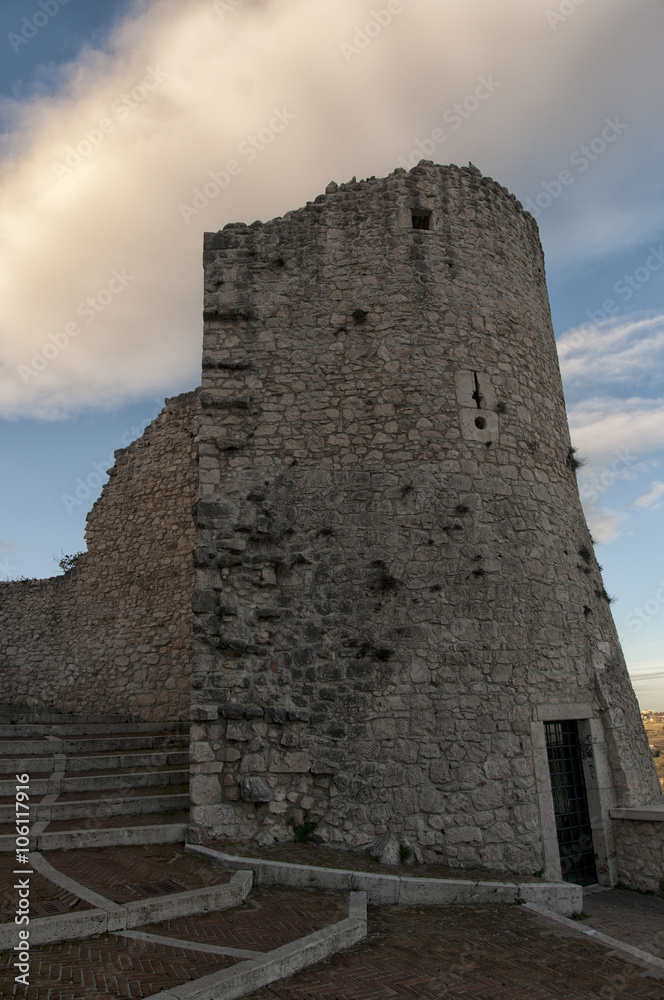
[421, 219]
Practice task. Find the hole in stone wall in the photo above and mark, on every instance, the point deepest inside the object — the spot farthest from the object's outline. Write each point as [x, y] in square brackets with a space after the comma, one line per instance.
[477, 395]
[421, 219]
[480, 422]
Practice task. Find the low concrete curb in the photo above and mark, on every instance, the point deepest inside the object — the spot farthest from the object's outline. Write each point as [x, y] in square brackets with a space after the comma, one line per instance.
[628, 950]
[245, 977]
[110, 916]
[45, 868]
[396, 890]
[210, 949]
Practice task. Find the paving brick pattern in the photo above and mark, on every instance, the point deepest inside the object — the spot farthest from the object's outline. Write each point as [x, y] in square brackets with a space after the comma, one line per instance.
[359, 861]
[468, 953]
[111, 871]
[41, 889]
[269, 918]
[111, 966]
[628, 916]
[106, 966]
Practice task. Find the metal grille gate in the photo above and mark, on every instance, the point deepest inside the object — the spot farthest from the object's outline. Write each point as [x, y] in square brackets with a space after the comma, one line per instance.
[570, 803]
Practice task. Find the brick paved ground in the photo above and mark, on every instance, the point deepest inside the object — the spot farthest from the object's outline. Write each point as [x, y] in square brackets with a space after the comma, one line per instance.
[629, 916]
[269, 918]
[455, 953]
[111, 871]
[468, 953]
[106, 966]
[113, 966]
[359, 861]
[41, 890]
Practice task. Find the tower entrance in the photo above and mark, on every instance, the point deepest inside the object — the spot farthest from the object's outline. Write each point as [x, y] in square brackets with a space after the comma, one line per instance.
[570, 803]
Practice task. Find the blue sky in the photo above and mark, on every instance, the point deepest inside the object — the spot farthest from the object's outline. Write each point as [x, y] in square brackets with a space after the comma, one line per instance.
[113, 115]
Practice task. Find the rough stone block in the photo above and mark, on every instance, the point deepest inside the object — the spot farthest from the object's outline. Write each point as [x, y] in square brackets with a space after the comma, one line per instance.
[204, 789]
[289, 763]
[255, 790]
[386, 849]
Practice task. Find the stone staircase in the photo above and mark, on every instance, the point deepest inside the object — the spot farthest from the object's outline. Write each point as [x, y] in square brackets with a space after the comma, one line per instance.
[95, 781]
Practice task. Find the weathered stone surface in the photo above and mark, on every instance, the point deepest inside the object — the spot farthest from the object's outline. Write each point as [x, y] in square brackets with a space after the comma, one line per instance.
[211, 815]
[252, 762]
[398, 533]
[413, 853]
[203, 713]
[114, 635]
[290, 763]
[386, 849]
[200, 752]
[640, 854]
[324, 834]
[205, 789]
[255, 790]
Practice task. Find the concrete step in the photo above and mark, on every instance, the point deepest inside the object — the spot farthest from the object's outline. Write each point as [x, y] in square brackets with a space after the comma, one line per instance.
[12, 714]
[96, 762]
[38, 786]
[130, 830]
[126, 793]
[117, 761]
[116, 805]
[31, 765]
[105, 783]
[92, 744]
[136, 779]
[121, 806]
[34, 730]
[162, 833]
[101, 782]
[11, 747]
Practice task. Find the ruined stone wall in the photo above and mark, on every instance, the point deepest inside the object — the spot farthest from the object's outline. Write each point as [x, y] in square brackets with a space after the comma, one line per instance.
[393, 568]
[640, 854]
[114, 634]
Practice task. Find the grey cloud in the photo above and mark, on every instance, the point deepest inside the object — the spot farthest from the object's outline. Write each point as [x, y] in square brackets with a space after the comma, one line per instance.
[134, 152]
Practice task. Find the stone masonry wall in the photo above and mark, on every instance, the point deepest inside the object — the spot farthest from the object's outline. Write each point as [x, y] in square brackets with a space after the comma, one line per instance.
[114, 634]
[393, 568]
[640, 854]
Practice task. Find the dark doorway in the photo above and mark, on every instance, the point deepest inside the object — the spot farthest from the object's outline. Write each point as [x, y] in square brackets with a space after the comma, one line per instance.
[570, 803]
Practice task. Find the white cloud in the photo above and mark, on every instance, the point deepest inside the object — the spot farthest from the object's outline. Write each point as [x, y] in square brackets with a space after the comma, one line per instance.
[653, 674]
[603, 427]
[618, 435]
[612, 354]
[650, 498]
[216, 81]
[649, 686]
[604, 523]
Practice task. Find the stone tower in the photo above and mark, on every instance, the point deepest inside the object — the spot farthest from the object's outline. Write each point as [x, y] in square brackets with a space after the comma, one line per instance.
[397, 597]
